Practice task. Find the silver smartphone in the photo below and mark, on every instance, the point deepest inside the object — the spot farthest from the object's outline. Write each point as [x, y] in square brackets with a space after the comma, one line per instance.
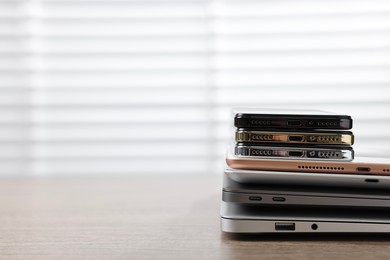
[295, 152]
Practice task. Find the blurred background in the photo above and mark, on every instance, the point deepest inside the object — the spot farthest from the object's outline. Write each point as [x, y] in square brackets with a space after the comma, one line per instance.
[95, 87]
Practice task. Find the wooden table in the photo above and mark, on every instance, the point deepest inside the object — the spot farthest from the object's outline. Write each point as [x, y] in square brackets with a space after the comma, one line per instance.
[146, 217]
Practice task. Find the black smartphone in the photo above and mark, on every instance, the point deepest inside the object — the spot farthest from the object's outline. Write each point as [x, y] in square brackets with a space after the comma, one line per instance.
[292, 119]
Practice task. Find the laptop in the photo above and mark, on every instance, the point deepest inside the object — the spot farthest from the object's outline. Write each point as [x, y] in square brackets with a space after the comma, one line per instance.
[239, 218]
[298, 195]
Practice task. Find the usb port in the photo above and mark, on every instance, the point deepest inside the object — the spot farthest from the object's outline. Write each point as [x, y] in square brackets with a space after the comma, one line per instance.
[258, 198]
[286, 226]
[279, 199]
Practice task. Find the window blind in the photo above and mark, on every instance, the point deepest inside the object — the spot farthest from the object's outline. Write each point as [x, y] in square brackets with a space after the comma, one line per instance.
[136, 87]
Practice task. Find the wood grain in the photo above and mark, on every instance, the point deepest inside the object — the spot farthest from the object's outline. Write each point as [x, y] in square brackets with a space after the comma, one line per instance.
[146, 217]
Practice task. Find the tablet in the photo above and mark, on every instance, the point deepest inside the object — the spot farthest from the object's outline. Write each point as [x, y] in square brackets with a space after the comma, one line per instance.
[309, 178]
[360, 165]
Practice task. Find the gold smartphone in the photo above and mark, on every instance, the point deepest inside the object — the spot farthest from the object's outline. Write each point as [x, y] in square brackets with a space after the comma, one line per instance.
[312, 137]
[362, 165]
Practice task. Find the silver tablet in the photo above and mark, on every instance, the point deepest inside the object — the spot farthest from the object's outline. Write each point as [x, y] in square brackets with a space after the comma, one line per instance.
[307, 178]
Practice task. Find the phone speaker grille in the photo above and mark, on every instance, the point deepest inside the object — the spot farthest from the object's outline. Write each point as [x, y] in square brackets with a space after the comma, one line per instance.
[386, 170]
[328, 123]
[261, 122]
[261, 152]
[261, 137]
[325, 139]
[315, 167]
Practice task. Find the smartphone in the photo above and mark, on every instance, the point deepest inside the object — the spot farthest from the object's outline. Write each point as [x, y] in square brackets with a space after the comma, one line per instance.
[291, 119]
[307, 137]
[361, 165]
[272, 151]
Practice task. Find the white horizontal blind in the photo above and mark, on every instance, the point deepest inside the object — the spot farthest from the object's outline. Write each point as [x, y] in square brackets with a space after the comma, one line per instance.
[329, 55]
[105, 87]
[108, 87]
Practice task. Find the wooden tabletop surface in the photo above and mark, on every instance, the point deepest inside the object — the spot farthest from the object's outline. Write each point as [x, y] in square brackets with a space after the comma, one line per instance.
[146, 217]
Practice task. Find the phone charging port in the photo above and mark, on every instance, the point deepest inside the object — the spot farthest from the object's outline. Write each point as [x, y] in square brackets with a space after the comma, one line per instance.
[293, 123]
[295, 153]
[295, 138]
[363, 169]
[284, 226]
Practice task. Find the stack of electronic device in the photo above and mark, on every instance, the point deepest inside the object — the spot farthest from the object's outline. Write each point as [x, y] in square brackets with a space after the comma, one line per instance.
[295, 172]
